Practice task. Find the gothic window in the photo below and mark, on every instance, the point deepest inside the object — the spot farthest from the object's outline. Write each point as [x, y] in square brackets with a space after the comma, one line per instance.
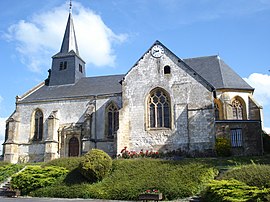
[216, 111]
[38, 124]
[237, 109]
[6, 132]
[159, 109]
[167, 69]
[112, 120]
[236, 137]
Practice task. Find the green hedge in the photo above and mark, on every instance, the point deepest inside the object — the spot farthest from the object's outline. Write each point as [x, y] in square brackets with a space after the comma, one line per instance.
[131, 177]
[69, 163]
[233, 190]
[223, 147]
[252, 175]
[8, 170]
[34, 177]
[4, 163]
[95, 165]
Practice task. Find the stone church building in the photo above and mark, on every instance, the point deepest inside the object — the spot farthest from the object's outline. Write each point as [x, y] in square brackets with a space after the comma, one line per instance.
[162, 103]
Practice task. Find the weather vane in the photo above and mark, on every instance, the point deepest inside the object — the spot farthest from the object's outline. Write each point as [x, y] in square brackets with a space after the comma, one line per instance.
[70, 6]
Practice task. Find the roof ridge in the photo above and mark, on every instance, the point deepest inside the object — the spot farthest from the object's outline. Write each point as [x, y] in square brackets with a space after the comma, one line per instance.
[221, 73]
[200, 57]
[110, 75]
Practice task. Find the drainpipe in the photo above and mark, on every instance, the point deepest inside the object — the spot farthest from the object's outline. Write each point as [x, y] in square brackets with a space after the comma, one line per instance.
[188, 144]
[95, 122]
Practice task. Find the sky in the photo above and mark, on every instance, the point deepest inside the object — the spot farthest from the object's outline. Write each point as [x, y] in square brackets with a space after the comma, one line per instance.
[113, 35]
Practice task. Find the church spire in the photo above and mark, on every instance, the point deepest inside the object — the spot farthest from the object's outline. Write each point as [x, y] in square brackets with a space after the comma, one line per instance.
[69, 41]
[67, 66]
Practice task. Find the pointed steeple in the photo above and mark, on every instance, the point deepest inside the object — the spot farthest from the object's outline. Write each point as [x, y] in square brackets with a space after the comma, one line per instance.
[67, 65]
[69, 41]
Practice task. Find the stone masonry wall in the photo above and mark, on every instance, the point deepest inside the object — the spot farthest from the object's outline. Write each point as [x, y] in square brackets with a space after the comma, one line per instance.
[68, 112]
[191, 107]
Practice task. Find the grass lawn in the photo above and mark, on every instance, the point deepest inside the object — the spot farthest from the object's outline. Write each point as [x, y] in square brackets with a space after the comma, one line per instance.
[130, 177]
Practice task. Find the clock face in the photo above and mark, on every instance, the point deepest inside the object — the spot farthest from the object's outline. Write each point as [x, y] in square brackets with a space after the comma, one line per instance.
[157, 51]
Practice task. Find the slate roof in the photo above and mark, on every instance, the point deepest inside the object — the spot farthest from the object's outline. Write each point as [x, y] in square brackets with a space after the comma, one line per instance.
[211, 68]
[217, 73]
[87, 86]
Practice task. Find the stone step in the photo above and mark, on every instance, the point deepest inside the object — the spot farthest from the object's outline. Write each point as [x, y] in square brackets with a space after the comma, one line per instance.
[10, 193]
[195, 199]
[5, 188]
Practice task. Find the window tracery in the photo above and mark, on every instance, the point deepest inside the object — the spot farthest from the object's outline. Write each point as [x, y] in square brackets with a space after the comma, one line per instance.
[237, 109]
[112, 120]
[159, 109]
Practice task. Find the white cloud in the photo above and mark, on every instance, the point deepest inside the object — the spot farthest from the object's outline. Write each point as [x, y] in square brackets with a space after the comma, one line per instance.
[40, 37]
[261, 83]
[267, 130]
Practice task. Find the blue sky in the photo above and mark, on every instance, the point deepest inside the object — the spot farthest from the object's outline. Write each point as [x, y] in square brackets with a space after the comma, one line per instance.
[113, 35]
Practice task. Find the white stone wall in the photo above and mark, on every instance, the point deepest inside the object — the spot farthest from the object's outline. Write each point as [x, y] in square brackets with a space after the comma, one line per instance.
[68, 112]
[187, 92]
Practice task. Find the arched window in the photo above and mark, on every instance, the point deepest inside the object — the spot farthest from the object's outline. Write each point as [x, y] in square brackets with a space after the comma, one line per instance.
[159, 109]
[216, 111]
[167, 69]
[38, 132]
[237, 109]
[112, 120]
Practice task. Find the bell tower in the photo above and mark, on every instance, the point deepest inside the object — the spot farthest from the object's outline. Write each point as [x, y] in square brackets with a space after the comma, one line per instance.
[67, 65]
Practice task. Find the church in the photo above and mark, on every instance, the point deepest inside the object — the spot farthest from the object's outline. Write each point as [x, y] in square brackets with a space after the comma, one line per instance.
[163, 103]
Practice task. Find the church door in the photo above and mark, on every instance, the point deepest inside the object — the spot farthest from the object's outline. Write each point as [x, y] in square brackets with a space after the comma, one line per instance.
[73, 145]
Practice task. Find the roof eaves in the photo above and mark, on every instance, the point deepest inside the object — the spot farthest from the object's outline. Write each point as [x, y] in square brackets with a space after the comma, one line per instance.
[31, 91]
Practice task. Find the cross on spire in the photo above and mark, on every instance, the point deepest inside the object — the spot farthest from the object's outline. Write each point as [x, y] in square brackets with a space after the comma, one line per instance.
[70, 6]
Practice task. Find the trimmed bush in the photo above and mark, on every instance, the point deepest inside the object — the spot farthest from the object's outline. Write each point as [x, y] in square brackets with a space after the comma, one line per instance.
[34, 177]
[7, 170]
[223, 147]
[129, 178]
[233, 190]
[3, 163]
[252, 175]
[69, 163]
[95, 165]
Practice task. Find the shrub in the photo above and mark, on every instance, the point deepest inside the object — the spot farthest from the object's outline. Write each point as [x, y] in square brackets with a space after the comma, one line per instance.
[131, 177]
[34, 177]
[69, 163]
[8, 170]
[3, 163]
[62, 191]
[95, 165]
[233, 190]
[223, 147]
[252, 175]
